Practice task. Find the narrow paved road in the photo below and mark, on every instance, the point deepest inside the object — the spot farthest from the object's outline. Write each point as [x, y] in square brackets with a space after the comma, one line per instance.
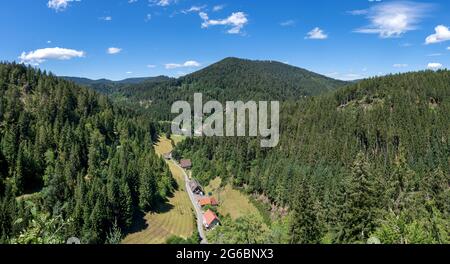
[198, 210]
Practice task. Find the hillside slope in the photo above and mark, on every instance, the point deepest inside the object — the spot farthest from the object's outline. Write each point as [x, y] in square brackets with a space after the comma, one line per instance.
[230, 79]
[72, 163]
[247, 79]
[371, 159]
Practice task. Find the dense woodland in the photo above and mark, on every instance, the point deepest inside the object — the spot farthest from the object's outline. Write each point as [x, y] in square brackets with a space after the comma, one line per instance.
[357, 163]
[72, 164]
[369, 162]
[229, 79]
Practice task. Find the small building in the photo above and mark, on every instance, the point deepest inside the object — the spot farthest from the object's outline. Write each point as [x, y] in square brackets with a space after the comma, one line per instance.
[208, 201]
[195, 187]
[210, 220]
[167, 156]
[186, 164]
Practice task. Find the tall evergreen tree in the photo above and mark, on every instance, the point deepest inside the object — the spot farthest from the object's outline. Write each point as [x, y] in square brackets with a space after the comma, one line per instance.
[304, 227]
[147, 189]
[358, 216]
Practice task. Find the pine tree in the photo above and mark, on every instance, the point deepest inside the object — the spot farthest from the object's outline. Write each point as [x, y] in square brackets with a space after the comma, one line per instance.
[358, 216]
[147, 189]
[402, 186]
[437, 188]
[304, 227]
[19, 175]
[126, 205]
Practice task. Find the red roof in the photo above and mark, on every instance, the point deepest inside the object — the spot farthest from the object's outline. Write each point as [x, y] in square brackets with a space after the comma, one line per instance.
[185, 163]
[209, 217]
[208, 201]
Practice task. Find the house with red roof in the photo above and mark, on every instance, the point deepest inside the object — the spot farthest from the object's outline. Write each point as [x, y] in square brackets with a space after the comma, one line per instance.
[204, 201]
[186, 164]
[210, 220]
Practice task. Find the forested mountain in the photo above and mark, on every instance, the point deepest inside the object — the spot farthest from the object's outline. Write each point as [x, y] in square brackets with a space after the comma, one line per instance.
[230, 79]
[86, 81]
[124, 87]
[235, 79]
[72, 163]
[370, 160]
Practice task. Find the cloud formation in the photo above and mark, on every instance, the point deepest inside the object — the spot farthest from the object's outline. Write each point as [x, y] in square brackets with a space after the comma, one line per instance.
[187, 64]
[41, 55]
[287, 23]
[217, 8]
[60, 5]
[236, 22]
[194, 9]
[400, 65]
[316, 33]
[442, 34]
[106, 18]
[163, 2]
[393, 19]
[113, 50]
[434, 66]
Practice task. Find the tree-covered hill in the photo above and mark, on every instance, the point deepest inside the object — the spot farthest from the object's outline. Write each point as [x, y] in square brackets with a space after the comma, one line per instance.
[72, 163]
[255, 80]
[125, 86]
[230, 79]
[369, 160]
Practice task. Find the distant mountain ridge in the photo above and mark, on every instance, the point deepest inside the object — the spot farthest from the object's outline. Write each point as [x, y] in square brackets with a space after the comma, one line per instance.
[238, 76]
[87, 81]
[230, 79]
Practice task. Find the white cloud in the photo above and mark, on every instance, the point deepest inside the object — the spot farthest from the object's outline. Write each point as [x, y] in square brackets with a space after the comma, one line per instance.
[394, 19]
[162, 2]
[448, 48]
[194, 9]
[129, 72]
[187, 64]
[151, 66]
[406, 45]
[346, 76]
[132, 1]
[236, 21]
[358, 12]
[106, 18]
[400, 65]
[60, 5]
[148, 17]
[41, 55]
[442, 34]
[287, 23]
[217, 8]
[434, 66]
[113, 50]
[316, 33]
[203, 16]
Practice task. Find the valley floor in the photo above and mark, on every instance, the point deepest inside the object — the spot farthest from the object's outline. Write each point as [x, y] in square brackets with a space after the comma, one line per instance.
[232, 202]
[174, 218]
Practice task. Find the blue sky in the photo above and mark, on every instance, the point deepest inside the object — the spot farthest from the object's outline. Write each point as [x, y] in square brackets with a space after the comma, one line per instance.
[117, 39]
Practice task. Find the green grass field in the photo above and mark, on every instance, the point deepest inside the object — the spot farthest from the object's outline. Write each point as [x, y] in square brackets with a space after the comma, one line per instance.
[173, 218]
[231, 201]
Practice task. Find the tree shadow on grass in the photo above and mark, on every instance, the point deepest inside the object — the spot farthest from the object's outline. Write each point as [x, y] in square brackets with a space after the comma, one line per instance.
[164, 208]
[139, 221]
